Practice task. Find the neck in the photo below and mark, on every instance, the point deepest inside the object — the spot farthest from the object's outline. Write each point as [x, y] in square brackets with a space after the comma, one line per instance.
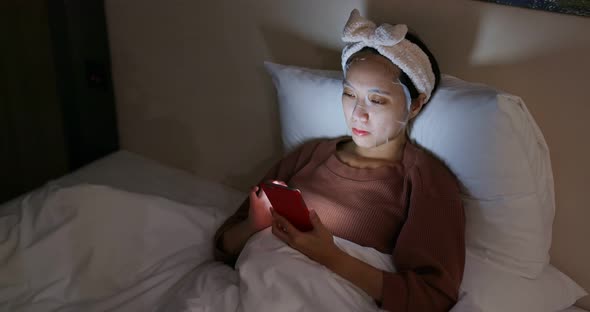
[390, 151]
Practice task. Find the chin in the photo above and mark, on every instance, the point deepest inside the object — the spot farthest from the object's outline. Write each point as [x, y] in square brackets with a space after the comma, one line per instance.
[365, 142]
[369, 141]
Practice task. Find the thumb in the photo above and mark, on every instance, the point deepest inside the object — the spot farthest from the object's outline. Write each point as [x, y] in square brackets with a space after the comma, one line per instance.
[314, 218]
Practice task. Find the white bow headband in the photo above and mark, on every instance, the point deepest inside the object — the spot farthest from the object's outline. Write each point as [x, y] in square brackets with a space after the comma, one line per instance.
[390, 42]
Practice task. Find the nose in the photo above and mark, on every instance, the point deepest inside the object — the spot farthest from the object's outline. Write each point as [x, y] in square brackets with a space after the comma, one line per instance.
[359, 113]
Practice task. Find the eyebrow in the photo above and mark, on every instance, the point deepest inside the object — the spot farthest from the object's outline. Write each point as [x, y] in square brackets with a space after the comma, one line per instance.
[374, 90]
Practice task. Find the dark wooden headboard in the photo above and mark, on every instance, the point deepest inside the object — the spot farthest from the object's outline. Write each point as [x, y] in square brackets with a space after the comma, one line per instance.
[57, 108]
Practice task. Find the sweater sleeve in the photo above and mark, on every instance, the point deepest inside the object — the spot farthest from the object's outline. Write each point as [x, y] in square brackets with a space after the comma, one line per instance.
[429, 255]
[283, 170]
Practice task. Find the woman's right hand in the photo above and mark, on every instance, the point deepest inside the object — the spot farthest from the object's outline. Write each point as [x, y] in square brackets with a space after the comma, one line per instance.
[259, 217]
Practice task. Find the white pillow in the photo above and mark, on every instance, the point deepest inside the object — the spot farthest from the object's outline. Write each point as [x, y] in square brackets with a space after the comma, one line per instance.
[486, 287]
[309, 103]
[493, 145]
[487, 138]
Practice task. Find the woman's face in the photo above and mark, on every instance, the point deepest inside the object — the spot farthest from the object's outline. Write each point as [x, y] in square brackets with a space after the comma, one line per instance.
[374, 102]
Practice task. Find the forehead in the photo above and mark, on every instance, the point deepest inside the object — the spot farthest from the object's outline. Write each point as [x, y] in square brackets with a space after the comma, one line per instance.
[371, 69]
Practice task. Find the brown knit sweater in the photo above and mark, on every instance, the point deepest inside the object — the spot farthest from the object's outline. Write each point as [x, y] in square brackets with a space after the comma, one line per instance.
[411, 210]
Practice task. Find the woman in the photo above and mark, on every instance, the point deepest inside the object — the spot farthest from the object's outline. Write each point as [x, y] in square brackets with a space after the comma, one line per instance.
[375, 188]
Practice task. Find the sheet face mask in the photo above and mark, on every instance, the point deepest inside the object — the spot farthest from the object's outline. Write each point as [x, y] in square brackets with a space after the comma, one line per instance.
[382, 129]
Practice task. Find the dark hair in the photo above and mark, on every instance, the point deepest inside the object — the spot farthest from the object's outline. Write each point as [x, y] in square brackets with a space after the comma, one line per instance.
[404, 78]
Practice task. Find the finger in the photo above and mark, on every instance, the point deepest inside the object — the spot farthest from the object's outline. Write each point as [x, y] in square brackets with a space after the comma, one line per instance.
[259, 192]
[291, 230]
[262, 195]
[280, 233]
[256, 193]
[252, 194]
[278, 220]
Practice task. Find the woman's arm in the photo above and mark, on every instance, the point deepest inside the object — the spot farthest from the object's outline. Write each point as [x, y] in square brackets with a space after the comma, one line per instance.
[233, 240]
[429, 254]
[258, 218]
[361, 274]
[228, 240]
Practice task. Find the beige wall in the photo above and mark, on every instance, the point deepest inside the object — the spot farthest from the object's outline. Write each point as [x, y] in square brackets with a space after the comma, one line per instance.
[191, 90]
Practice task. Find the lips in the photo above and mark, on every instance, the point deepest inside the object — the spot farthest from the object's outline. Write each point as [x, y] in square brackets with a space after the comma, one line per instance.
[359, 132]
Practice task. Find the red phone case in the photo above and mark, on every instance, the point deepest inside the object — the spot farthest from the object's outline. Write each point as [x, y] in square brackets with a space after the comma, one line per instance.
[288, 203]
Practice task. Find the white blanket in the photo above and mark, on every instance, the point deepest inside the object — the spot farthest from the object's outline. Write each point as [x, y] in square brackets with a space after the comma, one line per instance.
[272, 276]
[93, 248]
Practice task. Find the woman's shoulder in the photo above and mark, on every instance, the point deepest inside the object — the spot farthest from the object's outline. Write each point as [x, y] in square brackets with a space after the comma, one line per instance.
[313, 150]
[319, 146]
[430, 172]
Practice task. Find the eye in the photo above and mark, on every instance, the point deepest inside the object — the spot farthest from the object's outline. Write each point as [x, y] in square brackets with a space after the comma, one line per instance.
[377, 101]
[347, 93]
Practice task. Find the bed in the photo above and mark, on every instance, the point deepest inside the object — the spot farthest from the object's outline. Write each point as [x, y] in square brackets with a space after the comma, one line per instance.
[50, 280]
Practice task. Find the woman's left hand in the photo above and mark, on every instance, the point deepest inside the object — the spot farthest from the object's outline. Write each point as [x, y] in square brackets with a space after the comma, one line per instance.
[317, 244]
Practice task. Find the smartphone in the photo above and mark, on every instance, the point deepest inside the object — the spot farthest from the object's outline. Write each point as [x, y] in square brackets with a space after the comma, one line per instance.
[289, 203]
